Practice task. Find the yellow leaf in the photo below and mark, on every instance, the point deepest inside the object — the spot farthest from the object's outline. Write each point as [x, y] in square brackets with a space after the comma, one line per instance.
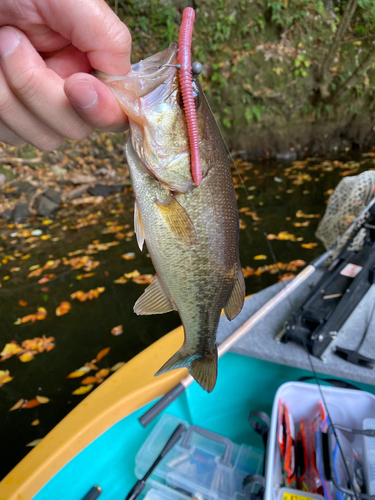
[34, 443]
[46, 222]
[79, 373]
[357, 43]
[121, 280]
[260, 257]
[133, 274]
[35, 422]
[117, 366]
[309, 245]
[45, 237]
[26, 357]
[10, 349]
[42, 400]
[17, 405]
[83, 389]
[26, 257]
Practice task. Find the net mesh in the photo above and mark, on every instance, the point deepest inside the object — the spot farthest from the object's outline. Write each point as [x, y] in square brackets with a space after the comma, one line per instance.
[350, 198]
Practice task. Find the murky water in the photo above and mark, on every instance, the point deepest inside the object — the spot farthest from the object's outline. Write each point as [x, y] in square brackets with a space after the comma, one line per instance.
[278, 198]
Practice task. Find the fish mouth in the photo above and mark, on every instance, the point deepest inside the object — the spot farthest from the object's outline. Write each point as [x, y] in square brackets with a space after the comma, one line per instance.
[145, 76]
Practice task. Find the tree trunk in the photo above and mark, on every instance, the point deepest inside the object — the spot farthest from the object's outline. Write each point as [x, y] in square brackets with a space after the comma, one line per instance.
[325, 75]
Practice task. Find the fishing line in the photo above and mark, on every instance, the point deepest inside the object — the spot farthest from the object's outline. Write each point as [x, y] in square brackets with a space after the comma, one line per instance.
[290, 303]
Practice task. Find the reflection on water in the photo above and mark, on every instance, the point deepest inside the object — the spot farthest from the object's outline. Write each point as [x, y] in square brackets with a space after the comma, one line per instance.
[73, 255]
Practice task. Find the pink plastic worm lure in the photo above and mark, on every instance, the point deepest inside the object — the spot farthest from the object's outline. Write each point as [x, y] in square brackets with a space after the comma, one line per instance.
[186, 83]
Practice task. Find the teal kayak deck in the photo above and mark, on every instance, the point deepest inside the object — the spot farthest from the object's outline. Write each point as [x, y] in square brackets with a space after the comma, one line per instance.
[244, 384]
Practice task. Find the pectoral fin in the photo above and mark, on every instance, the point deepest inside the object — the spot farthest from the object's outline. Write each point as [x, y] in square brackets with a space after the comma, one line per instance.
[138, 226]
[177, 220]
[237, 297]
[153, 300]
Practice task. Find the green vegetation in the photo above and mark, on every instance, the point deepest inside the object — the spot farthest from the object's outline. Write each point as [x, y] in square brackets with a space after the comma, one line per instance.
[271, 63]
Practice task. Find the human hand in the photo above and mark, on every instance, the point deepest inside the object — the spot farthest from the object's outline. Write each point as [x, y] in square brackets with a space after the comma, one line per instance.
[47, 51]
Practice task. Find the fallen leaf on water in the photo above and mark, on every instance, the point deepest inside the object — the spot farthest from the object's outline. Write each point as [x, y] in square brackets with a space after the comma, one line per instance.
[300, 214]
[128, 256]
[17, 405]
[133, 274]
[91, 294]
[121, 280]
[117, 366]
[260, 257]
[34, 443]
[35, 422]
[38, 316]
[102, 373]
[9, 350]
[63, 308]
[91, 380]
[32, 403]
[297, 263]
[102, 353]
[42, 400]
[143, 279]
[5, 377]
[22, 303]
[309, 245]
[83, 389]
[26, 357]
[80, 372]
[117, 330]
[301, 224]
[83, 276]
[286, 276]
[91, 366]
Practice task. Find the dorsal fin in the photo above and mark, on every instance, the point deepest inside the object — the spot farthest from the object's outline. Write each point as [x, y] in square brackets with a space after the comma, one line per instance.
[177, 220]
[138, 226]
[153, 300]
[237, 297]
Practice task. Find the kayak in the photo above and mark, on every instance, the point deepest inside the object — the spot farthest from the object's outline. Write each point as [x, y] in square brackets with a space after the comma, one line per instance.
[96, 444]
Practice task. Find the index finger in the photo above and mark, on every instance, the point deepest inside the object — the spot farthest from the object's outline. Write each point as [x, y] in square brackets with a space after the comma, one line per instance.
[93, 28]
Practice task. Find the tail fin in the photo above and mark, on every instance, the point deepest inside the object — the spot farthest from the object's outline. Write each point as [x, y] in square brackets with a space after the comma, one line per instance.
[203, 369]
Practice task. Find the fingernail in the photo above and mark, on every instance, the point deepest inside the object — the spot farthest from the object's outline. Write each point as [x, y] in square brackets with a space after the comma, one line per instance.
[9, 41]
[82, 94]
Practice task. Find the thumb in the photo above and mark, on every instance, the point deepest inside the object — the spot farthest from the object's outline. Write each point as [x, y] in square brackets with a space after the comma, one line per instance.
[93, 28]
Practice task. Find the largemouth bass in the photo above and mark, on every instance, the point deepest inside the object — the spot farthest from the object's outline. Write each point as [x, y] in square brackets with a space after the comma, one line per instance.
[191, 231]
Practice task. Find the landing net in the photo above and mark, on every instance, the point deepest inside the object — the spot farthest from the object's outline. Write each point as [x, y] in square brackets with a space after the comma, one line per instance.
[350, 198]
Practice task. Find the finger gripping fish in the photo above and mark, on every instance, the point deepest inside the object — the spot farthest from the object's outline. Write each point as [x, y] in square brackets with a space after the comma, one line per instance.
[191, 230]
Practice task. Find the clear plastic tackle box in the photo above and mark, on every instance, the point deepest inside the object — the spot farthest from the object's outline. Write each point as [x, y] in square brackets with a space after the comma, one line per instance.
[203, 464]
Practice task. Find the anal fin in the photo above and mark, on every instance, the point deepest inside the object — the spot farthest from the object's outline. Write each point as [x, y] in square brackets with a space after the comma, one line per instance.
[235, 303]
[153, 300]
[177, 220]
[138, 226]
